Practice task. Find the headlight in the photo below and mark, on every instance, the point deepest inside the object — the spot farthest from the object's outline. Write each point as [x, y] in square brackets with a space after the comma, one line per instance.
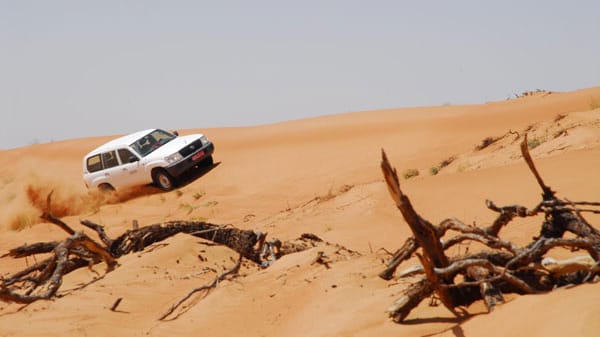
[204, 140]
[174, 158]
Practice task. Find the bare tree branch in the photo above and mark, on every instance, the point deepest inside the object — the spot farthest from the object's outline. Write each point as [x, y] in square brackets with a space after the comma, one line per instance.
[505, 267]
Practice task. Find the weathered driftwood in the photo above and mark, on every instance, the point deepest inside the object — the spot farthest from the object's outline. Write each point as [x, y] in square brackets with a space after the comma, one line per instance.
[504, 267]
[242, 241]
[43, 279]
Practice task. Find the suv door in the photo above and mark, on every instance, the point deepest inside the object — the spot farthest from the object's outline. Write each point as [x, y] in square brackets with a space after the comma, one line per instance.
[111, 168]
[128, 173]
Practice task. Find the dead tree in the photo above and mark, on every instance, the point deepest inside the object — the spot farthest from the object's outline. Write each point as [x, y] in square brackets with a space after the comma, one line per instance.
[503, 267]
[43, 279]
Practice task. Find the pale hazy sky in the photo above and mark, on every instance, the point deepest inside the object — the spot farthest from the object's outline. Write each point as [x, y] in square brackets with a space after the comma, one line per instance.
[71, 69]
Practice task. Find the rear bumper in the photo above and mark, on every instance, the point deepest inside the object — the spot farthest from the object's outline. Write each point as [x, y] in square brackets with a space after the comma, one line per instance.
[190, 161]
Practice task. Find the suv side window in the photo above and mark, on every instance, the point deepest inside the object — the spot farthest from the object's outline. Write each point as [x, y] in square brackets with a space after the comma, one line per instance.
[109, 159]
[94, 163]
[125, 156]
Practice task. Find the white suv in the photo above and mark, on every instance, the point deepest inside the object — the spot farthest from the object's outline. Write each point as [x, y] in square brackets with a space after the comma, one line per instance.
[149, 156]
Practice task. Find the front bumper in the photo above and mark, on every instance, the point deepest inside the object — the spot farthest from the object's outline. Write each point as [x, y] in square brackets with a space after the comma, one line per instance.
[191, 160]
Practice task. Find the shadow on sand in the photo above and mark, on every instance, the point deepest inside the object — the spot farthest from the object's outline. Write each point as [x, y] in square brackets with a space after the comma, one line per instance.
[147, 190]
[456, 329]
[194, 174]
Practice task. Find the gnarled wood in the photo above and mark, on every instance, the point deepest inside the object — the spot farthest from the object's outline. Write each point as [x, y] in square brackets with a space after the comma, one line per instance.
[403, 253]
[424, 233]
[505, 267]
[52, 271]
[42, 280]
[411, 298]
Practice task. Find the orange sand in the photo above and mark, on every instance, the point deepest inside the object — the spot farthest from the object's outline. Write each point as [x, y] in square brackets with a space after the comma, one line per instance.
[318, 175]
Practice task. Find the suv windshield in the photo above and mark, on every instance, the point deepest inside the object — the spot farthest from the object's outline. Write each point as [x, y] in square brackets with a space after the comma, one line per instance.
[151, 142]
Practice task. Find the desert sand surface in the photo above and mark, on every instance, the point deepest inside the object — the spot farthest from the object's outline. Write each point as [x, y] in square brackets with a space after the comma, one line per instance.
[319, 175]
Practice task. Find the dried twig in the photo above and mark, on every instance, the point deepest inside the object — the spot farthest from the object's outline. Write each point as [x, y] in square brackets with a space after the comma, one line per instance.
[116, 304]
[206, 287]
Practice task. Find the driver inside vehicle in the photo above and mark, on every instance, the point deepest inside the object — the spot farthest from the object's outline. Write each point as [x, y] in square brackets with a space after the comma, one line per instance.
[147, 143]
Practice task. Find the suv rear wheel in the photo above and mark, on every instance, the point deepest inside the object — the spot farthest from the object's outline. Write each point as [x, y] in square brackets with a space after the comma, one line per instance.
[163, 179]
[106, 188]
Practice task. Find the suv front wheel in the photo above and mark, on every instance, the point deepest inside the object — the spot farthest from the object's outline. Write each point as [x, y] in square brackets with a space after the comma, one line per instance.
[163, 179]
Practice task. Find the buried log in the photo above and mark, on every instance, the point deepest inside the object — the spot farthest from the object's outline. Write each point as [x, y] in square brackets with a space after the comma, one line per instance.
[503, 267]
[42, 280]
[240, 240]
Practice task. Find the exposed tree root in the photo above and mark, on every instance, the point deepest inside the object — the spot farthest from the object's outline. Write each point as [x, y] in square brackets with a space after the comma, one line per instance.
[505, 267]
[42, 280]
[206, 287]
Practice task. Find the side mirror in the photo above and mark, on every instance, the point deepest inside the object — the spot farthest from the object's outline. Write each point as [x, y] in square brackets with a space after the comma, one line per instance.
[175, 133]
[133, 159]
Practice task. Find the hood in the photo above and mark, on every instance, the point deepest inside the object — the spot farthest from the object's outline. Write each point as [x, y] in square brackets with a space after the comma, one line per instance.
[173, 146]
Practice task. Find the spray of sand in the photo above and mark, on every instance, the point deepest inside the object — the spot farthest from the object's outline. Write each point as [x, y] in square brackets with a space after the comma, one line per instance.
[24, 196]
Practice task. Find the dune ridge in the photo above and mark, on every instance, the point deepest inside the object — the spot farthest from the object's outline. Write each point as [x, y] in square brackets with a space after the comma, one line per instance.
[318, 175]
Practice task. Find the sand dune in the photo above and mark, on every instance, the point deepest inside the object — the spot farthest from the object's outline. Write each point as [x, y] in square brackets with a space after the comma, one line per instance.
[318, 175]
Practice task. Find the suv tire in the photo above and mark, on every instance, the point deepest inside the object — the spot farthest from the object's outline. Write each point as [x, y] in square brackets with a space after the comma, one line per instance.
[163, 179]
[208, 162]
[106, 188]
